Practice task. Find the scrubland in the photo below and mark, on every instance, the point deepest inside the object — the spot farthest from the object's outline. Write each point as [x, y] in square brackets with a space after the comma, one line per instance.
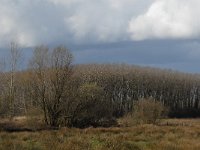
[168, 134]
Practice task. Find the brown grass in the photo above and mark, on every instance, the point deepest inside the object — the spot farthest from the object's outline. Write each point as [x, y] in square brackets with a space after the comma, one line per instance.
[170, 134]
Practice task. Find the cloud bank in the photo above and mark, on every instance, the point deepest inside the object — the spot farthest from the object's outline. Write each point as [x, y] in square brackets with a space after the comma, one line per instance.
[167, 19]
[32, 22]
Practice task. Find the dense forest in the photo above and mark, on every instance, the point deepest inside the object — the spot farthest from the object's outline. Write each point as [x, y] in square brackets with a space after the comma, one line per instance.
[75, 95]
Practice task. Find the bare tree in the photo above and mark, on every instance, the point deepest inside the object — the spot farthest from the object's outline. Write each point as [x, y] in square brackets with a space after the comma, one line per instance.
[3, 110]
[15, 55]
[39, 64]
[52, 71]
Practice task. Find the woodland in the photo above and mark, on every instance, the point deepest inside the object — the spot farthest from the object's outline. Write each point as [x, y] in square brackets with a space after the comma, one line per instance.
[65, 94]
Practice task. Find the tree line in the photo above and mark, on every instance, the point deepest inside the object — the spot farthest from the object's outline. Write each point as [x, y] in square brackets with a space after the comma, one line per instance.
[89, 94]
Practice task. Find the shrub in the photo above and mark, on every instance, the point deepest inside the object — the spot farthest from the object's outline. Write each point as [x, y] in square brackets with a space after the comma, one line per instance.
[148, 111]
[93, 109]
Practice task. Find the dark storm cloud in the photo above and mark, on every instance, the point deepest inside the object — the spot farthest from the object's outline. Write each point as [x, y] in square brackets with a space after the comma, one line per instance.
[176, 54]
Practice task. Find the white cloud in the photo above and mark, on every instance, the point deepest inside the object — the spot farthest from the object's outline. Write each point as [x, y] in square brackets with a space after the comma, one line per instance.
[45, 21]
[102, 20]
[167, 19]
[12, 25]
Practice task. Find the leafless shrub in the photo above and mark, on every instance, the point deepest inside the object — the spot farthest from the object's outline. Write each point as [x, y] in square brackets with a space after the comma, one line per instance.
[148, 111]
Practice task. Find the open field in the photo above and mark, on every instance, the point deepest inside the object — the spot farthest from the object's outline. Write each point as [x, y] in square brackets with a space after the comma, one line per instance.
[171, 134]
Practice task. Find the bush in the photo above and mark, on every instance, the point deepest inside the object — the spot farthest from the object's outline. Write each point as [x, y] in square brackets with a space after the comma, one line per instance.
[93, 109]
[148, 111]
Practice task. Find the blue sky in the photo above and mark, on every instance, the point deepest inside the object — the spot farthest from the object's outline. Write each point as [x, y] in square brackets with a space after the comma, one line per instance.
[159, 33]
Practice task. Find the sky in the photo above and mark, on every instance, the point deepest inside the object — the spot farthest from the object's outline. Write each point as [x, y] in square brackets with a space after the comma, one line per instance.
[158, 33]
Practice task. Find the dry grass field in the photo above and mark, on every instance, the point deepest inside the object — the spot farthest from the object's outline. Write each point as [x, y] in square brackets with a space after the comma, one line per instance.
[170, 134]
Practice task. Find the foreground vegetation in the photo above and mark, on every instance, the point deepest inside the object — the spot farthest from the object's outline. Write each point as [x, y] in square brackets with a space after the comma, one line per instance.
[169, 134]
